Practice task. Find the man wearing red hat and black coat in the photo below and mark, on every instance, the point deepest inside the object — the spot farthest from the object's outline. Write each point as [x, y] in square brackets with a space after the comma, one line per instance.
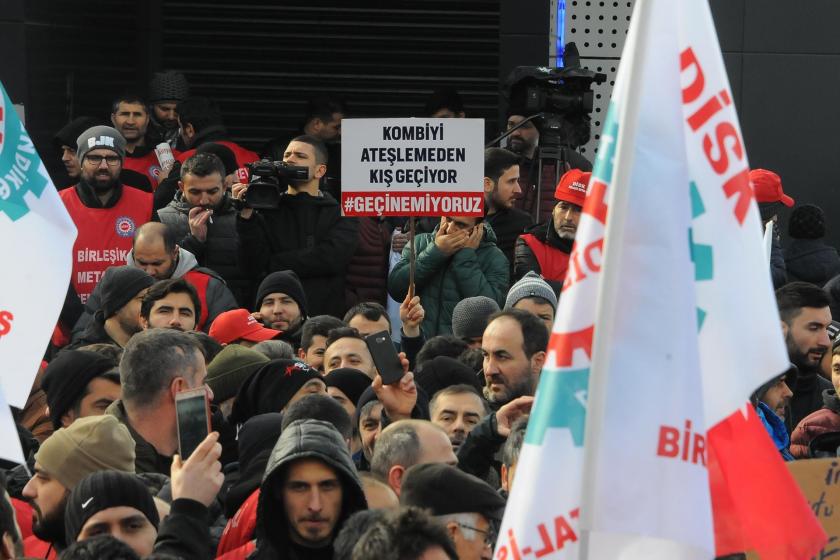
[545, 248]
[770, 198]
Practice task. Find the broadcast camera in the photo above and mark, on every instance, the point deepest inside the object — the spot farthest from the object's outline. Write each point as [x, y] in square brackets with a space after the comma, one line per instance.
[268, 180]
[563, 96]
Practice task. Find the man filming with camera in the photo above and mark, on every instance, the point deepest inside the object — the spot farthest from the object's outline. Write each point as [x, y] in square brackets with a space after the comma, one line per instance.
[287, 223]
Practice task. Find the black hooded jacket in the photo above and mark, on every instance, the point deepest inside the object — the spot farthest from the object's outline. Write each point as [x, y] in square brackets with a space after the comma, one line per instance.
[304, 439]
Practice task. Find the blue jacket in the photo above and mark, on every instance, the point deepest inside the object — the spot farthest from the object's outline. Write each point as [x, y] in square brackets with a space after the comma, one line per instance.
[776, 428]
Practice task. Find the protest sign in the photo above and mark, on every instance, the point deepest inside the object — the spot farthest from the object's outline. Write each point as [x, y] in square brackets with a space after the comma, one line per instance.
[417, 167]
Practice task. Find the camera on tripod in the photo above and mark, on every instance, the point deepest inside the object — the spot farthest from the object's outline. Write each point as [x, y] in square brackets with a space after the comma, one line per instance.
[269, 180]
[560, 95]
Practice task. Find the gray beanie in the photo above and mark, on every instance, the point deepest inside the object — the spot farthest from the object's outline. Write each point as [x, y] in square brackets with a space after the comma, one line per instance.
[100, 137]
[531, 285]
[469, 318]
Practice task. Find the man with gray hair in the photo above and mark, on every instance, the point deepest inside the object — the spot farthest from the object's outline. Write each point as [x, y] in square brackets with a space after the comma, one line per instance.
[157, 364]
[406, 443]
[466, 505]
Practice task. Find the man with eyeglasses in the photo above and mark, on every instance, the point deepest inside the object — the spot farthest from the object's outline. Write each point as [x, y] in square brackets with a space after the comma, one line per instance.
[468, 507]
[106, 212]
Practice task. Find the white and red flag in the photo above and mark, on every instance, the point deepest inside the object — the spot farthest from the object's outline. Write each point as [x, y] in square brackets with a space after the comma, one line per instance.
[642, 443]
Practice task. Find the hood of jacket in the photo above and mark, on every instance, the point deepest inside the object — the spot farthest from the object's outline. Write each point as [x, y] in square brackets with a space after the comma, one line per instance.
[305, 439]
[186, 262]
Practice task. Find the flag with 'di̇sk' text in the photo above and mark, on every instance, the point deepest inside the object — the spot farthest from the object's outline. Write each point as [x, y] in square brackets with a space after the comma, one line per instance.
[642, 443]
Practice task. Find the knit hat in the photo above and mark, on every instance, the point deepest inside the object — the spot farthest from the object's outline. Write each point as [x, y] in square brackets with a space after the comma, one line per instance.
[67, 377]
[103, 137]
[69, 134]
[271, 388]
[90, 444]
[239, 324]
[572, 186]
[283, 282]
[349, 381]
[104, 490]
[531, 285]
[168, 86]
[119, 285]
[223, 153]
[230, 368]
[469, 318]
[445, 489]
[807, 222]
[442, 371]
[768, 187]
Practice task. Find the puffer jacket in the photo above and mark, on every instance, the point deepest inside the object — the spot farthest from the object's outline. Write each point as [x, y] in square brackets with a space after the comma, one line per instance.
[811, 260]
[219, 251]
[367, 272]
[304, 439]
[826, 419]
[442, 281]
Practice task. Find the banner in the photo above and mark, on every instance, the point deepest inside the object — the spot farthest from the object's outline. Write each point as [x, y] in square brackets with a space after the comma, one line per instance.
[642, 443]
[417, 167]
[36, 253]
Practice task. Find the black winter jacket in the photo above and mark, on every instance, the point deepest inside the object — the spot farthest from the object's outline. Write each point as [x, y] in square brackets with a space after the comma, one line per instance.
[219, 251]
[308, 235]
[811, 260]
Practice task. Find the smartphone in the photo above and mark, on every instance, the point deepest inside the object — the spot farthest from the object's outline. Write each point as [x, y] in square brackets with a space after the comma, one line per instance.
[193, 410]
[385, 357]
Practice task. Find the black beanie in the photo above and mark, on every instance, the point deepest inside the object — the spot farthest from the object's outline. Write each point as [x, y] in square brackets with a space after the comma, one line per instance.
[67, 376]
[270, 388]
[119, 284]
[102, 490]
[223, 153]
[168, 86]
[349, 381]
[442, 372]
[68, 135]
[807, 222]
[284, 282]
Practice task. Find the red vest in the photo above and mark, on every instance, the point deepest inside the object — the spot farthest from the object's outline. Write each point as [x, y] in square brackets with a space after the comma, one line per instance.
[240, 529]
[553, 262]
[242, 155]
[105, 234]
[199, 281]
[147, 165]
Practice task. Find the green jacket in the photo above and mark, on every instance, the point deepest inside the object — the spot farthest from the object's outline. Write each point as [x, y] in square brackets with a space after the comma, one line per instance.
[441, 281]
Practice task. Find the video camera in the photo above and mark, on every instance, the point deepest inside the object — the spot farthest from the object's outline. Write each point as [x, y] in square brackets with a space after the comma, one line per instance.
[560, 94]
[269, 180]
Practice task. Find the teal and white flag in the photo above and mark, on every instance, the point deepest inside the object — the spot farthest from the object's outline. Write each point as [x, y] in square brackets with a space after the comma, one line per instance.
[641, 443]
[36, 251]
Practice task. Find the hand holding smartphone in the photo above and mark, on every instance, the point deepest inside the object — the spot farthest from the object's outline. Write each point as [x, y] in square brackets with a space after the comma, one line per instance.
[385, 357]
[192, 408]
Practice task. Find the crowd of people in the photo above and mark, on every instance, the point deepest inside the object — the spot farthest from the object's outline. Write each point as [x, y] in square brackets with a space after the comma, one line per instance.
[182, 286]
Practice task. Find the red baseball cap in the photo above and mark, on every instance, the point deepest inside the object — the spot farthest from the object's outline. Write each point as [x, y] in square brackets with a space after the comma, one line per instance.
[239, 324]
[572, 186]
[768, 187]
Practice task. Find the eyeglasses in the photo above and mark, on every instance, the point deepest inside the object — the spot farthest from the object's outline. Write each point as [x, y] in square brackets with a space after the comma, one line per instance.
[489, 536]
[97, 160]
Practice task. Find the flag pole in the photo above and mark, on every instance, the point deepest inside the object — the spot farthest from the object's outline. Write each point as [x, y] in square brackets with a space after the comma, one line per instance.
[609, 284]
[411, 258]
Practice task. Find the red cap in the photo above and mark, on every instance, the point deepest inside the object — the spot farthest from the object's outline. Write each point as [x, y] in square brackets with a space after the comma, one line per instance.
[239, 324]
[768, 187]
[572, 186]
